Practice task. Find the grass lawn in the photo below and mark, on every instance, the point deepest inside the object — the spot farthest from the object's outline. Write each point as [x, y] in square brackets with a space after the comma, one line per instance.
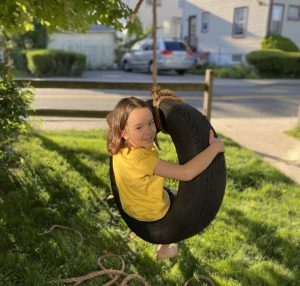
[294, 132]
[63, 180]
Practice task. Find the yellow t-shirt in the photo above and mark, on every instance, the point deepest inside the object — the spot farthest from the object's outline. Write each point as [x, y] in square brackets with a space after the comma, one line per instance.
[141, 192]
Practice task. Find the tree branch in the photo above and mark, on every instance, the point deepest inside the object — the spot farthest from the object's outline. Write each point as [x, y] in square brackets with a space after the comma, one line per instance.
[136, 9]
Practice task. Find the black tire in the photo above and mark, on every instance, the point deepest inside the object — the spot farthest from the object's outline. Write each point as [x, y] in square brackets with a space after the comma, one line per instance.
[125, 67]
[150, 67]
[181, 72]
[197, 201]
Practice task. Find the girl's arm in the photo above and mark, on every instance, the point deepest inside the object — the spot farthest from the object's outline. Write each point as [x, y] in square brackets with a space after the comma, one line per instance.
[195, 166]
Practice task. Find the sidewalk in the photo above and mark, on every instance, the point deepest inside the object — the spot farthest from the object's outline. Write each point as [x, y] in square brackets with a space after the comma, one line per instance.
[265, 136]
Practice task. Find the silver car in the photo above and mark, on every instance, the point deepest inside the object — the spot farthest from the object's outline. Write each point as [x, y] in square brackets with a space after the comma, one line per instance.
[171, 55]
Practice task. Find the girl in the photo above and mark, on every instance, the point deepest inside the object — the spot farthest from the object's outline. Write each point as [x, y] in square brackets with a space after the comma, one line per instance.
[138, 170]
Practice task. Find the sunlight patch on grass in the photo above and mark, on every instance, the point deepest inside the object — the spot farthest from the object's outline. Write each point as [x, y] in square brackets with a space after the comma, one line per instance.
[294, 132]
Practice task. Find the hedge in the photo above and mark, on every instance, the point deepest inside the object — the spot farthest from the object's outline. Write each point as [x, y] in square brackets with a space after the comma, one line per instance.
[279, 42]
[55, 63]
[275, 63]
[15, 105]
[19, 59]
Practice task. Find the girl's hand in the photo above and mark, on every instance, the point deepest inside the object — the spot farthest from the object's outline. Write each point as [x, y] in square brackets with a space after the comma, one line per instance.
[216, 141]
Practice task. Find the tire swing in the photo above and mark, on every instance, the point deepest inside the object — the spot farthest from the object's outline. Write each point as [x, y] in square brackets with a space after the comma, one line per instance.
[197, 201]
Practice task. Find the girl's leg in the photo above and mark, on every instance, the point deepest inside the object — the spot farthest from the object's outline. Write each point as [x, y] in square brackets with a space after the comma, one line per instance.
[165, 251]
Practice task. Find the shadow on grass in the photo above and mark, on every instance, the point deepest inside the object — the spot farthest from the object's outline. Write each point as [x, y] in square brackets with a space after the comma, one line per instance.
[254, 178]
[31, 207]
[190, 267]
[271, 246]
[34, 201]
[69, 154]
[251, 172]
[71, 157]
[47, 199]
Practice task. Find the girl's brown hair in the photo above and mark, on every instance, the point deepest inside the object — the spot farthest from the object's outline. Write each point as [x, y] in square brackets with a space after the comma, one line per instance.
[117, 121]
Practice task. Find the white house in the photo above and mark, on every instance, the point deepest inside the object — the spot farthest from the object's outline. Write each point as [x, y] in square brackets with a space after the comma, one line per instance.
[229, 29]
[169, 16]
[98, 44]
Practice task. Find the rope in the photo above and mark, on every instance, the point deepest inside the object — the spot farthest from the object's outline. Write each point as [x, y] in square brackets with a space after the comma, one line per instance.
[154, 46]
[63, 227]
[113, 274]
[158, 95]
[201, 277]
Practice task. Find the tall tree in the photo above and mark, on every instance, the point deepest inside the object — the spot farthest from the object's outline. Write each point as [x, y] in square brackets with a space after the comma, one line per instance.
[16, 16]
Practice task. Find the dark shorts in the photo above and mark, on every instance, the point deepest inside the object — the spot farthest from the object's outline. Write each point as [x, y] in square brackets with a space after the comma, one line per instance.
[171, 195]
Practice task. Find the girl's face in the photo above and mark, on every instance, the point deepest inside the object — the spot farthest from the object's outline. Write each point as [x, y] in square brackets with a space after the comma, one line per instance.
[140, 129]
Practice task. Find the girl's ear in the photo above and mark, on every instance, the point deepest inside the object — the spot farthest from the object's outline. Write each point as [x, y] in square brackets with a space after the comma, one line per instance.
[123, 134]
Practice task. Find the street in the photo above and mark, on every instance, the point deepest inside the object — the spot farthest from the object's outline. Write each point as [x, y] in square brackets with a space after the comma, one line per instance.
[232, 98]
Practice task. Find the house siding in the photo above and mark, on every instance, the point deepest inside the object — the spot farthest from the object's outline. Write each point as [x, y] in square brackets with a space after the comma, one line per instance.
[290, 29]
[97, 46]
[218, 41]
[169, 17]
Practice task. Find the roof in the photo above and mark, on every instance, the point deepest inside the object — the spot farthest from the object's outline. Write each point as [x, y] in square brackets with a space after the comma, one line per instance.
[100, 28]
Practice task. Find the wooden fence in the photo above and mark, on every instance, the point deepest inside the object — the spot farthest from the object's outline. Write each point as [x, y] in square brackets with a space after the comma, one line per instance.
[206, 88]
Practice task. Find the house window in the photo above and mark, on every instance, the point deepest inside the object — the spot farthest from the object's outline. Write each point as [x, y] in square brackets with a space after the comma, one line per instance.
[204, 23]
[276, 19]
[239, 22]
[293, 13]
[158, 2]
[147, 46]
[237, 58]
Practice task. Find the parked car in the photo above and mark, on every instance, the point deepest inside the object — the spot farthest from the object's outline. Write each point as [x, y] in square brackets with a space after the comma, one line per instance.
[171, 55]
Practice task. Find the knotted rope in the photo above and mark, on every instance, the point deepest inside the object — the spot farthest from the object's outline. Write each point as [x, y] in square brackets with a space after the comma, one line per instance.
[113, 274]
[158, 95]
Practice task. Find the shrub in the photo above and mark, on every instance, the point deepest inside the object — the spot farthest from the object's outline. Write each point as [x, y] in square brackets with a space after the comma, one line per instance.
[36, 39]
[237, 71]
[55, 63]
[201, 68]
[18, 57]
[278, 42]
[15, 104]
[275, 63]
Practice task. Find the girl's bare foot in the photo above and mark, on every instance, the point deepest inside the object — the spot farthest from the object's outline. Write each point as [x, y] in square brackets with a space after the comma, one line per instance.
[165, 251]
